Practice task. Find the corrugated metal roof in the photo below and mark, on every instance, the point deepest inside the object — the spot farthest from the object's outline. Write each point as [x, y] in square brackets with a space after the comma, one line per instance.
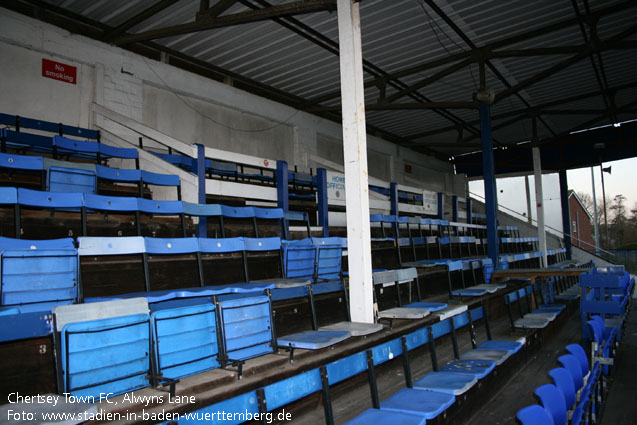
[398, 35]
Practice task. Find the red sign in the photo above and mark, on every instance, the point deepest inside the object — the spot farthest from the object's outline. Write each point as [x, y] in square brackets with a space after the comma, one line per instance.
[59, 71]
[408, 168]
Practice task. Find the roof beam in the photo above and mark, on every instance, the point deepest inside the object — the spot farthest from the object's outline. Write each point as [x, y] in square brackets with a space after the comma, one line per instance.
[561, 65]
[402, 106]
[137, 19]
[207, 22]
[216, 10]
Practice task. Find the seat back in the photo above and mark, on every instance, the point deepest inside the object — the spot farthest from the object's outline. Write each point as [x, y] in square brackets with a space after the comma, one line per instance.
[564, 382]
[53, 200]
[264, 259]
[329, 258]
[299, 259]
[21, 162]
[37, 275]
[554, 403]
[246, 328]
[62, 179]
[185, 340]
[571, 364]
[104, 347]
[534, 415]
[578, 352]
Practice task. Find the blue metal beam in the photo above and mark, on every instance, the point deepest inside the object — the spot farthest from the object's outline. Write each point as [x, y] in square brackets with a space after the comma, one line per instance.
[469, 211]
[323, 211]
[441, 205]
[566, 220]
[490, 192]
[454, 208]
[282, 195]
[202, 228]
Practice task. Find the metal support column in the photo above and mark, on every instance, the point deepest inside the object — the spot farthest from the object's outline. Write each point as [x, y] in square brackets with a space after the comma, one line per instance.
[282, 196]
[454, 208]
[490, 191]
[441, 205]
[539, 202]
[566, 220]
[355, 159]
[321, 193]
[469, 210]
[202, 228]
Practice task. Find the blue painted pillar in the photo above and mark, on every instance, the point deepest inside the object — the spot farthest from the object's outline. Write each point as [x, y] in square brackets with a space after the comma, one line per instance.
[490, 192]
[282, 196]
[566, 220]
[202, 228]
[454, 208]
[469, 211]
[321, 192]
[441, 205]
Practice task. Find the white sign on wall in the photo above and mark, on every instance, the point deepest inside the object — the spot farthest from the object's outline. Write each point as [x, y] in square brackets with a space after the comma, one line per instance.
[335, 186]
[430, 202]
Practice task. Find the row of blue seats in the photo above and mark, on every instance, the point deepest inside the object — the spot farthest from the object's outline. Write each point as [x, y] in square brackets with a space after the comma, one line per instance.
[576, 393]
[423, 399]
[59, 146]
[65, 178]
[19, 123]
[37, 275]
[545, 311]
[83, 203]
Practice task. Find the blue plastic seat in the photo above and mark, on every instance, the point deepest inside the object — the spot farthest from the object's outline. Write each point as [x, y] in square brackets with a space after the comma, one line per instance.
[534, 415]
[38, 276]
[570, 363]
[312, 340]
[185, 340]
[21, 162]
[511, 346]
[478, 368]
[329, 257]
[103, 349]
[299, 259]
[446, 382]
[563, 380]
[110, 203]
[54, 200]
[377, 416]
[427, 305]
[578, 352]
[64, 179]
[245, 325]
[553, 401]
[31, 142]
[427, 404]
[272, 244]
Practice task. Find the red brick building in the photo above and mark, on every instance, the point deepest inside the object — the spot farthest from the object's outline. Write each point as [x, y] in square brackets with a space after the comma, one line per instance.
[581, 223]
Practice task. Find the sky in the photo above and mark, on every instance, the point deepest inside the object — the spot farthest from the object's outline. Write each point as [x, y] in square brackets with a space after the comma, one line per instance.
[512, 193]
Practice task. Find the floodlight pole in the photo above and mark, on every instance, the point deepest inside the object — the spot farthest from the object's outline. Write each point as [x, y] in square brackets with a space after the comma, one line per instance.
[605, 210]
[595, 210]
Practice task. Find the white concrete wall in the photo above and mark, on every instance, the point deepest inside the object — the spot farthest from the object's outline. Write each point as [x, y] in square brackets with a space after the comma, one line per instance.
[193, 109]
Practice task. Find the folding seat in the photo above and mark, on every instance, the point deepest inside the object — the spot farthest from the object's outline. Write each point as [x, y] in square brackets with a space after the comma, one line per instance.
[563, 380]
[524, 321]
[269, 222]
[490, 344]
[63, 203]
[68, 179]
[237, 219]
[534, 415]
[553, 401]
[570, 363]
[393, 278]
[299, 259]
[246, 329]
[9, 198]
[111, 266]
[263, 269]
[184, 341]
[104, 348]
[112, 205]
[329, 258]
[27, 166]
[210, 213]
[25, 142]
[141, 178]
[291, 217]
[37, 275]
[150, 208]
[172, 263]
[97, 151]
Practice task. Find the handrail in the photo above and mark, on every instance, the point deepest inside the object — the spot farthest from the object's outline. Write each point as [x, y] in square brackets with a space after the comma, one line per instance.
[558, 232]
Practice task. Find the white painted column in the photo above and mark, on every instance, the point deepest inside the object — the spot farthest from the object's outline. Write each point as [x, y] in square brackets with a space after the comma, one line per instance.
[539, 202]
[359, 250]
